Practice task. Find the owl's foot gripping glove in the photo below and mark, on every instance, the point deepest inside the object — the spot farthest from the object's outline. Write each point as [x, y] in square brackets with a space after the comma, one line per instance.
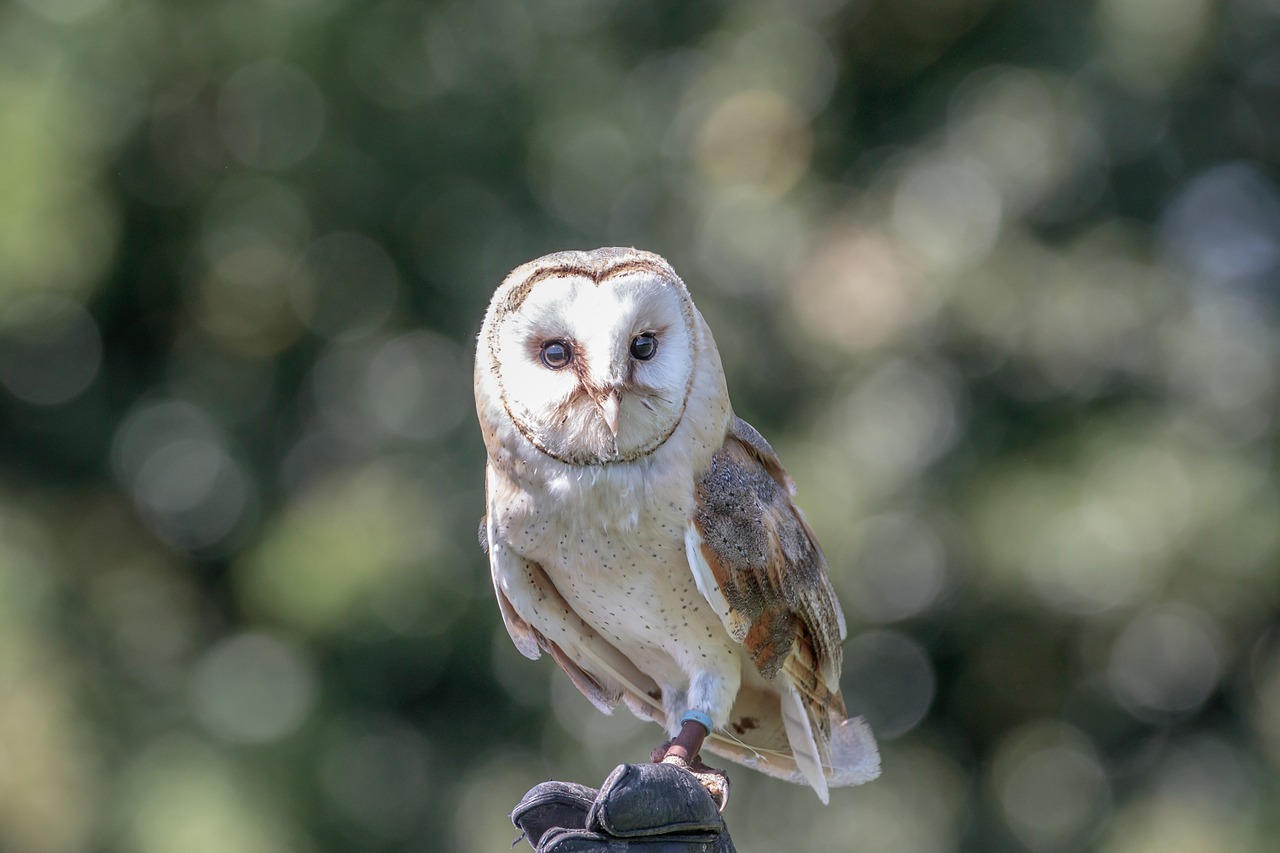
[654, 808]
[682, 751]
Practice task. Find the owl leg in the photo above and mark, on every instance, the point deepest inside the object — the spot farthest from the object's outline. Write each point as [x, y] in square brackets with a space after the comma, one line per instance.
[691, 715]
[706, 690]
[683, 750]
[685, 745]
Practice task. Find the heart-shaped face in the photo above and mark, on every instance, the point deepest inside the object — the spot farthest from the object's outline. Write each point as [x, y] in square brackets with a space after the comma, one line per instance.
[592, 353]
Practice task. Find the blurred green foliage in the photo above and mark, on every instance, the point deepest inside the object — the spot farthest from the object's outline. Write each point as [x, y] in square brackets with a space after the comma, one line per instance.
[999, 279]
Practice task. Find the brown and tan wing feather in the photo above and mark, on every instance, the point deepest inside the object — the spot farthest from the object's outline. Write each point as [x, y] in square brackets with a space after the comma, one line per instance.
[765, 559]
[760, 567]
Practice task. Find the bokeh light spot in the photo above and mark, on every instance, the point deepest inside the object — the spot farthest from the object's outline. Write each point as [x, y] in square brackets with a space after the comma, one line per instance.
[253, 688]
[889, 679]
[916, 805]
[900, 568]
[250, 211]
[498, 777]
[50, 349]
[28, 579]
[332, 548]
[948, 214]
[148, 612]
[179, 468]
[1166, 662]
[1264, 713]
[414, 390]
[388, 56]
[786, 56]
[898, 419]
[181, 795]
[1051, 786]
[47, 776]
[252, 233]
[250, 313]
[412, 387]
[481, 48]
[1149, 43]
[747, 244]
[1224, 226]
[854, 292]
[1033, 137]
[58, 227]
[755, 142]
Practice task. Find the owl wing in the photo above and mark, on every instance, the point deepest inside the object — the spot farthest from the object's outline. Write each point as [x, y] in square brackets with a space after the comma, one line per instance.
[759, 566]
[539, 619]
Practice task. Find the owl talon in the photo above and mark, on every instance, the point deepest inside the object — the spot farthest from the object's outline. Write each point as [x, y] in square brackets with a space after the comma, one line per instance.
[714, 780]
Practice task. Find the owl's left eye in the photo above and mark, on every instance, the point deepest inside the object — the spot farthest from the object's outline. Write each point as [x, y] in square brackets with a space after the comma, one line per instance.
[556, 354]
[644, 347]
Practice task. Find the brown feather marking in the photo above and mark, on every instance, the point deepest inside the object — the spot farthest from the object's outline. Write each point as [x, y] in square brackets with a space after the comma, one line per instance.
[770, 639]
[518, 294]
[595, 266]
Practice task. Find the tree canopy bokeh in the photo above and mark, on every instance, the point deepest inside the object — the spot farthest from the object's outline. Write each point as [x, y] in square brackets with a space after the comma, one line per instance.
[998, 278]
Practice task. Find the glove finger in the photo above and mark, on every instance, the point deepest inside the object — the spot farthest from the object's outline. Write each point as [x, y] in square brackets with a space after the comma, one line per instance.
[553, 805]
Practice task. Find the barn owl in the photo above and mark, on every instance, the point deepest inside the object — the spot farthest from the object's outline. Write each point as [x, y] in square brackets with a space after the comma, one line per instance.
[643, 536]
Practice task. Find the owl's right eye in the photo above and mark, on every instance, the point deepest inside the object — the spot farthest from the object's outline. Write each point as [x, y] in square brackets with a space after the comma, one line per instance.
[556, 354]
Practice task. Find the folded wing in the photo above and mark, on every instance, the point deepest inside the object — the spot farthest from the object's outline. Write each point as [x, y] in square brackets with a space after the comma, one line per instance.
[757, 563]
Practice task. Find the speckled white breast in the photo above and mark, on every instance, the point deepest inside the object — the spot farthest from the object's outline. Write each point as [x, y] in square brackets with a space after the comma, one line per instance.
[630, 581]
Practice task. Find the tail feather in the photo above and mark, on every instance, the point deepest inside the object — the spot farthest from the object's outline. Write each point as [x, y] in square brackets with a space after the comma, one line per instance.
[854, 756]
[803, 746]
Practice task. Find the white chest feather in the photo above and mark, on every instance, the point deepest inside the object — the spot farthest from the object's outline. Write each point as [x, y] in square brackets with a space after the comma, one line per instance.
[611, 539]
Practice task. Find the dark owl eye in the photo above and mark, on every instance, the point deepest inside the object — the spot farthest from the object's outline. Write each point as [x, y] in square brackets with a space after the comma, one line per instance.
[556, 354]
[644, 347]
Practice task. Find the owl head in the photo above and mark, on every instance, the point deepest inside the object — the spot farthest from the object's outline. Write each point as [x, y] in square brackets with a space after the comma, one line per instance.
[592, 353]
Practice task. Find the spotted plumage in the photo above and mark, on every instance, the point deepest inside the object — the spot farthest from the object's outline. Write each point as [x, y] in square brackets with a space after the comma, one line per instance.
[642, 535]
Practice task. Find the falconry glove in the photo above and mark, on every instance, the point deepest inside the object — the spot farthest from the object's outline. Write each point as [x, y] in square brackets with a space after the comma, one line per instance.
[654, 808]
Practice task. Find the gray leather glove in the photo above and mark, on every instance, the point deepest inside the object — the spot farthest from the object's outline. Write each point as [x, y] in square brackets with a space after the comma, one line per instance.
[654, 808]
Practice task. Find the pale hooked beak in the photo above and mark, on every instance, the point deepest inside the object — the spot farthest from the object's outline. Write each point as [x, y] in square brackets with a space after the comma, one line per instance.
[609, 404]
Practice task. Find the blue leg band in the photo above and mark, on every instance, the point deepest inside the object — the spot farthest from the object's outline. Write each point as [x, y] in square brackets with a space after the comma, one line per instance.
[699, 718]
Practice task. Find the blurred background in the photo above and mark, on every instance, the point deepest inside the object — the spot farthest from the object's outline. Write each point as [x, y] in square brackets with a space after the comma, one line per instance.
[1000, 279]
